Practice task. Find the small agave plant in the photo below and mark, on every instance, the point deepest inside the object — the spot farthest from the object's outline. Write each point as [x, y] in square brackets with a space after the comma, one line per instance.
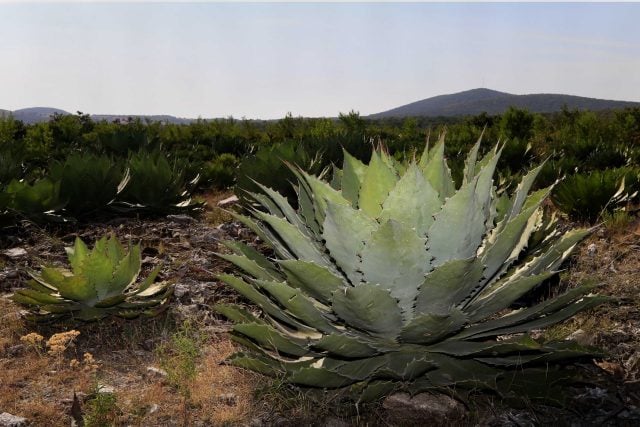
[101, 282]
[396, 278]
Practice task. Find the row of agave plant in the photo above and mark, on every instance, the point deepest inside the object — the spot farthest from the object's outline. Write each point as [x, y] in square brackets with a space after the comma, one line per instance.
[388, 277]
[86, 185]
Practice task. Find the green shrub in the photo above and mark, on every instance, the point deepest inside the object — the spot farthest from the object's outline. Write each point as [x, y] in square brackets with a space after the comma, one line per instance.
[220, 172]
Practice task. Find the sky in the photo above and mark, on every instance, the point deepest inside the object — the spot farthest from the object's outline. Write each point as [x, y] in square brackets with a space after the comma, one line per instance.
[265, 60]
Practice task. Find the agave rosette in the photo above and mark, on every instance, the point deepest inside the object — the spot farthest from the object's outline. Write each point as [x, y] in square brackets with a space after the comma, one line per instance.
[101, 282]
[391, 276]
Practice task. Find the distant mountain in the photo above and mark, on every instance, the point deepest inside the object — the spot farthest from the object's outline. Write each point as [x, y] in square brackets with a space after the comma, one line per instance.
[43, 114]
[154, 118]
[476, 101]
[36, 114]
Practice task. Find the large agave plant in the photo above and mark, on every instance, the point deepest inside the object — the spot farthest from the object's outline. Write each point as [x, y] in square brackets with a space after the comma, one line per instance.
[101, 282]
[402, 279]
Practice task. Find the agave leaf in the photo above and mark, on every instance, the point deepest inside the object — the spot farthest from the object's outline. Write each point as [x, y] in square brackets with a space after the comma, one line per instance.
[97, 270]
[550, 319]
[40, 285]
[353, 171]
[343, 221]
[396, 259]
[313, 279]
[249, 266]
[370, 308]
[356, 370]
[377, 182]
[523, 189]
[323, 193]
[268, 337]
[287, 211]
[447, 285]
[471, 160]
[241, 249]
[430, 327]
[458, 228]
[436, 171]
[319, 377]
[265, 235]
[126, 272]
[305, 205]
[77, 288]
[457, 372]
[153, 289]
[146, 283]
[345, 346]
[525, 314]
[33, 297]
[299, 305]
[406, 366]
[301, 246]
[412, 202]
[512, 239]
[261, 300]
[236, 313]
[263, 365]
[115, 251]
[456, 347]
[111, 301]
[77, 255]
[505, 293]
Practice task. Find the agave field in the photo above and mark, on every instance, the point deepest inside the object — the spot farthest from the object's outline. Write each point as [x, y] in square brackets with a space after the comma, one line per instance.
[474, 271]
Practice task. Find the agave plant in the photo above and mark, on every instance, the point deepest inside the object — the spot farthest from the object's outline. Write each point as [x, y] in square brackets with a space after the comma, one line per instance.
[402, 279]
[101, 282]
[88, 183]
[155, 186]
[587, 196]
[38, 201]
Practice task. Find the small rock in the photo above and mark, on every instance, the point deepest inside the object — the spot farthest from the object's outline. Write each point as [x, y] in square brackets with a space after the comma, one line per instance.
[8, 420]
[228, 201]
[229, 399]
[15, 252]
[591, 249]
[156, 371]
[153, 408]
[180, 290]
[424, 407]
[106, 389]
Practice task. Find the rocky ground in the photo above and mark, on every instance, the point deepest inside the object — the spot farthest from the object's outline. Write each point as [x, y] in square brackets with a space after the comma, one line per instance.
[168, 370]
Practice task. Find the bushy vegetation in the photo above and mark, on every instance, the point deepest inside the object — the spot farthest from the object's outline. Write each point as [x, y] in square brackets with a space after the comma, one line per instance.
[228, 152]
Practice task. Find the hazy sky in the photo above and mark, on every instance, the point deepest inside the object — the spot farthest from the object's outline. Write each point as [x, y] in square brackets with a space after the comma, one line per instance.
[264, 60]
